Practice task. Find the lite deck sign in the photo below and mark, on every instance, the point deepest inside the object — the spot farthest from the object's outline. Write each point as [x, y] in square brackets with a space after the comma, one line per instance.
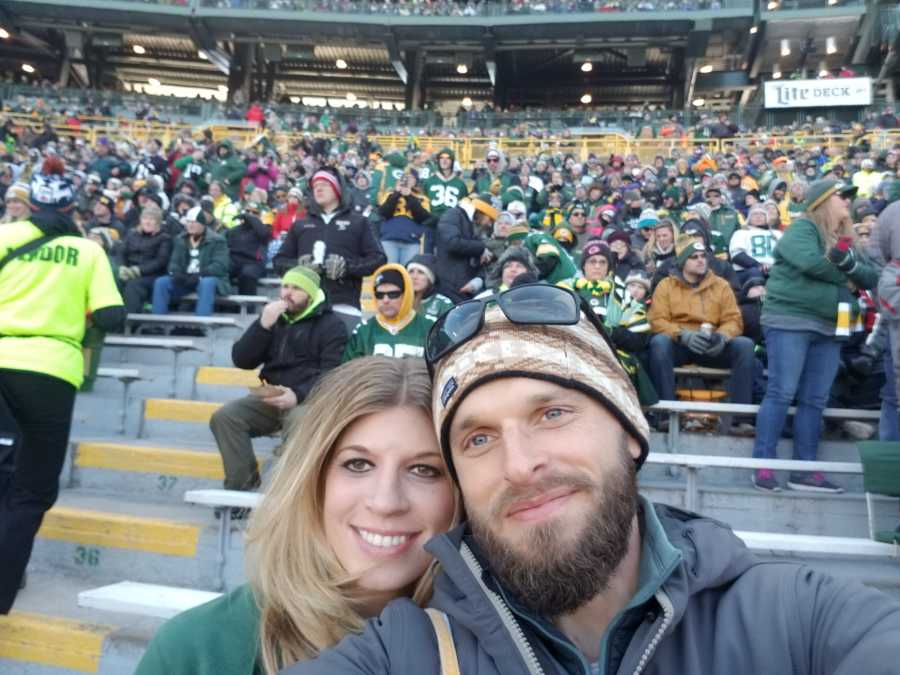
[819, 93]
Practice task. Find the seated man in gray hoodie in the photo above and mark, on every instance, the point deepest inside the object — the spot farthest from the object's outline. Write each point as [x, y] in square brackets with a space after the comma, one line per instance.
[563, 567]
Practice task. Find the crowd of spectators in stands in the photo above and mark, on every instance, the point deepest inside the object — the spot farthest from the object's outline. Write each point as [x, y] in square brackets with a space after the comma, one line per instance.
[690, 258]
[81, 108]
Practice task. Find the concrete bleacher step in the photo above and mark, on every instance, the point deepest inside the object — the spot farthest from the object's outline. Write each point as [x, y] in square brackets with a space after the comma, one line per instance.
[176, 410]
[152, 471]
[109, 538]
[789, 512]
[221, 382]
[47, 633]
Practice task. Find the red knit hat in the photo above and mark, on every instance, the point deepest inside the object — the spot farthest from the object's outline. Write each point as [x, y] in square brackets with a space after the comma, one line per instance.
[328, 177]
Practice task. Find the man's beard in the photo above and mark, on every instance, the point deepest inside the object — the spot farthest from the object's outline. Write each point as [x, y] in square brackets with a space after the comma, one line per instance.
[560, 573]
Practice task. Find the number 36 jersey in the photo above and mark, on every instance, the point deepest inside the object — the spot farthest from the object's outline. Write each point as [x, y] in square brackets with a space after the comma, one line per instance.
[443, 193]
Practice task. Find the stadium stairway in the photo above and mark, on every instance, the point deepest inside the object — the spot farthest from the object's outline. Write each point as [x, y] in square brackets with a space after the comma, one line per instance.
[121, 514]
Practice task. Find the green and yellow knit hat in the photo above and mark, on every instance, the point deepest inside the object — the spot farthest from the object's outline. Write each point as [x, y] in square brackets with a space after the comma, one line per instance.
[303, 278]
[821, 190]
[517, 232]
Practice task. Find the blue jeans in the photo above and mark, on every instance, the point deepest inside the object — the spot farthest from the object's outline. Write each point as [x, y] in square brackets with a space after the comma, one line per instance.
[802, 364]
[165, 290]
[400, 252]
[888, 425]
[666, 355]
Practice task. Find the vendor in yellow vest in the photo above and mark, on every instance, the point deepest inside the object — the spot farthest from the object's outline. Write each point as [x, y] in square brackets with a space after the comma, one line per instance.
[52, 282]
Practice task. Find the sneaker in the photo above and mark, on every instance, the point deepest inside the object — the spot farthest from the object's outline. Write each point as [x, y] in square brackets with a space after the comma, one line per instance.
[859, 431]
[744, 429]
[764, 481]
[812, 482]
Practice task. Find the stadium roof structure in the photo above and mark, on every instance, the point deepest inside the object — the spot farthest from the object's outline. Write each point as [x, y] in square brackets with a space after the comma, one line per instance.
[662, 58]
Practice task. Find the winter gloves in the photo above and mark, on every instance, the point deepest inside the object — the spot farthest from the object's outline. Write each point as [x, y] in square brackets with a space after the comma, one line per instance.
[334, 267]
[129, 273]
[695, 341]
[702, 344]
[307, 260]
[716, 344]
[842, 255]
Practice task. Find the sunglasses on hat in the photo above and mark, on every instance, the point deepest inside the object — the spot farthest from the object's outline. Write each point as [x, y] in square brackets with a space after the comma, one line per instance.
[393, 295]
[528, 304]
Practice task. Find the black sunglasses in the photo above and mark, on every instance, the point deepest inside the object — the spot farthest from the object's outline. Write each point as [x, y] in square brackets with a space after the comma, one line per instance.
[528, 304]
[393, 295]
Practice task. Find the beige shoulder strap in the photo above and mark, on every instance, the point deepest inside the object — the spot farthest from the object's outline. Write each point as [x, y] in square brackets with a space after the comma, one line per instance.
[446, 648]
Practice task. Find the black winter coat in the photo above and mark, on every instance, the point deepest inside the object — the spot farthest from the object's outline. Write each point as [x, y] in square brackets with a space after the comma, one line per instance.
[247, 240]
[348, 235]
[149, 252]
[293, 355]
[458, 251]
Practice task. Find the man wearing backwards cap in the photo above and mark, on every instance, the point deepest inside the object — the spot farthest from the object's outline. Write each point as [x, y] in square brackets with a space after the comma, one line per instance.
[296, 339]
[563, 567]
[396, 330]
[335, 241]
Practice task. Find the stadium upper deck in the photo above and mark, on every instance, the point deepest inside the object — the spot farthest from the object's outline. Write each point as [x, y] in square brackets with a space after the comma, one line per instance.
[440, 54]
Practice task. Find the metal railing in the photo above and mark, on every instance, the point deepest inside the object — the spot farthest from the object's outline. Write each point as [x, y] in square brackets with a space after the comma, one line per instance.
[467, 150]
[482, 8]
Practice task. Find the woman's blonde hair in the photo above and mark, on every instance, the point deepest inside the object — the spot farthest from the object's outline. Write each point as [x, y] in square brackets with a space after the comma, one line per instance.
[830, 223]
[306, 598]
[650, 247]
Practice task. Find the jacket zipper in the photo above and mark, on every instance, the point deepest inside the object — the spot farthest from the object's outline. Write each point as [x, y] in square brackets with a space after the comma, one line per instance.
[506, 616]
[668, 617]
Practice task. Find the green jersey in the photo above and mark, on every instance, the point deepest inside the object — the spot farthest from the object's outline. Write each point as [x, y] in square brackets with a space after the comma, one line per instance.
[444, 193]
[370, 338]
[44, 297]
[545, 247]
[435, 306]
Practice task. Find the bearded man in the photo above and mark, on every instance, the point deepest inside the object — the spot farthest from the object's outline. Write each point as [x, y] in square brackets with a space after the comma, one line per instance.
[563, 567]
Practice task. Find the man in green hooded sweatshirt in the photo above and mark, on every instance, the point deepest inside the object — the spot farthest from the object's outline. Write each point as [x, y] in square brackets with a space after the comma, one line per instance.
[444, 188]
[227, 169]
[296, 340]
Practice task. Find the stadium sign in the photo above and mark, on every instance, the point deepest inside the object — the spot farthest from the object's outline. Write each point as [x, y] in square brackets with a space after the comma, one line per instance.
[818, 93]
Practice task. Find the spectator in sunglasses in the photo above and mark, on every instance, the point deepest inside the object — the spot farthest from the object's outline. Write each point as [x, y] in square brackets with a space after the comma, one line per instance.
[397, 329]
[695, 319]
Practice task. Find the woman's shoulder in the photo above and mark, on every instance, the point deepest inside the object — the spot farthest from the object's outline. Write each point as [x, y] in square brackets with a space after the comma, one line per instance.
[218, 637]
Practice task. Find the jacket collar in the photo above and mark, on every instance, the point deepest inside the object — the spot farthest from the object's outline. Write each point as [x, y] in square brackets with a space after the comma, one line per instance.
[682, 554]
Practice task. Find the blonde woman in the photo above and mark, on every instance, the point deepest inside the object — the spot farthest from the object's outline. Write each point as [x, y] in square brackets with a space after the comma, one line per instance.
[660, 245]
[340, 532]
[804, 318]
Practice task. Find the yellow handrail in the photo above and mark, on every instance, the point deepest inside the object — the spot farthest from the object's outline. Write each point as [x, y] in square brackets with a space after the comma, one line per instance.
[467, 150]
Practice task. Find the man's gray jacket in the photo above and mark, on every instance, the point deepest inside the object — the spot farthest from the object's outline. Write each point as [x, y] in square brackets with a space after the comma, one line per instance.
[706, 606]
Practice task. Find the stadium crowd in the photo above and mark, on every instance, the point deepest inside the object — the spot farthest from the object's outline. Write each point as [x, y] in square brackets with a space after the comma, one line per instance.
[755, 260]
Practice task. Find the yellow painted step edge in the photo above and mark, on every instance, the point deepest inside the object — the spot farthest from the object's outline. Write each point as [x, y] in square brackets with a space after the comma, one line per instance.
[165, 461]
[52, 641]
[227, 377]
[175, 410]
[113, 530]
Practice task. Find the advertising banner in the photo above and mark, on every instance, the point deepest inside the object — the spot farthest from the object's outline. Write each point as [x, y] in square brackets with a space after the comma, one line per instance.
[840, 91]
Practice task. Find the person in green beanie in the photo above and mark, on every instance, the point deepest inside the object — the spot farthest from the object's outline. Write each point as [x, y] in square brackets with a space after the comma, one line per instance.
[724, 221]
[805, 316]
[296, 339]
